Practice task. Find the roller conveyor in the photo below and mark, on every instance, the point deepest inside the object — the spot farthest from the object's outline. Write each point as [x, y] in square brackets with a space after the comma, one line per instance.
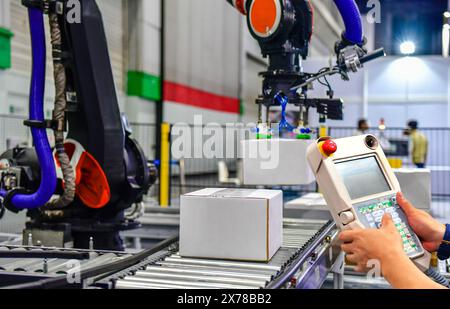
[307, 249]
[304, 261]
[44, 262]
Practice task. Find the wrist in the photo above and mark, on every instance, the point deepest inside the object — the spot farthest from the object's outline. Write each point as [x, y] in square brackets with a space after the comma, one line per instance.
[391, 256]
[436, 237]
[392, 262]
[440, 233]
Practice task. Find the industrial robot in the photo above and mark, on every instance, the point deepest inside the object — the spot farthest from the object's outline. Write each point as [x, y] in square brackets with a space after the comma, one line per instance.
[76, 191]
[283, 29]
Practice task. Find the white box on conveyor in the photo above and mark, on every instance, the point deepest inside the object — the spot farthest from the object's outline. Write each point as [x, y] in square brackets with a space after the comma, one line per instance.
[416, 186]
[276, 162]
[309, 200]
[231, 224]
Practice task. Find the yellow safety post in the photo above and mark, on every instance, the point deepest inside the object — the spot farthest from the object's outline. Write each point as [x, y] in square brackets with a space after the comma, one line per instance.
[164, 182]
[323, 130]
[395, 162]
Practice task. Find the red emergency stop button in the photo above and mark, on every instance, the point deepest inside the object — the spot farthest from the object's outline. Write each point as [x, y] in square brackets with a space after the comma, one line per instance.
[329, 147]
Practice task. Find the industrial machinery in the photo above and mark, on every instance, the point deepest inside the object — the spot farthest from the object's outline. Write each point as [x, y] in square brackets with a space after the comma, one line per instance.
[96, 170]
[77, 192]
[26, 265]
[360, 186]
[308, 255]
[283, 29]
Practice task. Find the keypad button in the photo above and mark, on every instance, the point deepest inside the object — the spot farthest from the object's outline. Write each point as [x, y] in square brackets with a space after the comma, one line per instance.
[390, 210]
[378, 213]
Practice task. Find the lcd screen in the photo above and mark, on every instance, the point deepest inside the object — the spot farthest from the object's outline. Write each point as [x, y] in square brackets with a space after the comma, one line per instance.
[363, 177]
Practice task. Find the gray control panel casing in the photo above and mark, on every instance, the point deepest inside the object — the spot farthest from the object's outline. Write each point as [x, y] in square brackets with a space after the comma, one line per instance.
[332, 187]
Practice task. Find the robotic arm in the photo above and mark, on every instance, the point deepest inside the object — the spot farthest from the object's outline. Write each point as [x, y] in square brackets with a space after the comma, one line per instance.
[80, 189]
[283, 29]
[100, 170]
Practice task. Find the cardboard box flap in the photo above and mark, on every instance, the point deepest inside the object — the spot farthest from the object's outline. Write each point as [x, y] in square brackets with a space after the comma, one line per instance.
[205, 192]
[265, 194]
[236, 193]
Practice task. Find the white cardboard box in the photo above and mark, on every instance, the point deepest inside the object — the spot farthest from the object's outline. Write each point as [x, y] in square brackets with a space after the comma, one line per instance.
[231, 224]
[276, 162]
[309, 200]
[416, 186]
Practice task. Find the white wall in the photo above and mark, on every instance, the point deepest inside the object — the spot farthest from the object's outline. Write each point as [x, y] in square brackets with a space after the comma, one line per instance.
[203, 52]
[144, 31]
[15, 82]
[398, 89]
[4, 14]
[328, 27]
[144, 35]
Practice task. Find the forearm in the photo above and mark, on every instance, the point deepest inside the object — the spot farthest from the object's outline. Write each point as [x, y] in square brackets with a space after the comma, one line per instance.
[401, 273]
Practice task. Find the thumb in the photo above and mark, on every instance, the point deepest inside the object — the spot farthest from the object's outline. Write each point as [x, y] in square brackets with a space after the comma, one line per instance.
[407, 207]
[388, 223]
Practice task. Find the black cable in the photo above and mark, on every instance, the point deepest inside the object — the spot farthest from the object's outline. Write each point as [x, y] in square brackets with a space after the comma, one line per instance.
[50, 254]
[326, 84]
[100, 271]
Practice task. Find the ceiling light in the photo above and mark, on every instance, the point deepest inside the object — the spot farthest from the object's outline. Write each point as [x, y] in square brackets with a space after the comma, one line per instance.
[408, 48]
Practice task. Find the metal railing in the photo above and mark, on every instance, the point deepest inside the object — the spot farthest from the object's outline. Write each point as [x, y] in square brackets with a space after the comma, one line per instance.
[438, 160]
[190, 174]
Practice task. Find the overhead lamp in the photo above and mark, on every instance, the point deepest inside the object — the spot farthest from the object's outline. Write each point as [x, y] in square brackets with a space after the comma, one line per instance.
[408, 48]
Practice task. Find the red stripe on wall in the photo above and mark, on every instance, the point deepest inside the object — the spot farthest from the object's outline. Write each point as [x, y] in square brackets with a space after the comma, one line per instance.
[195, 97]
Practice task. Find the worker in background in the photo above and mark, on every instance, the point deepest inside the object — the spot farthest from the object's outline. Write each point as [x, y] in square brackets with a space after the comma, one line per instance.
[385, 245]
[363, 127]
[382, 138]
[419, 144]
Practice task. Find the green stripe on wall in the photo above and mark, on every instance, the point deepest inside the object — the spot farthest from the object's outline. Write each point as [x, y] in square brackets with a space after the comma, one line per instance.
[5, 48]
[144, 85]
[242, 107]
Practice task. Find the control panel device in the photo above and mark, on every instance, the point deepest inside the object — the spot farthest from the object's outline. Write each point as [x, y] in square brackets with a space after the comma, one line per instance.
[360, 186]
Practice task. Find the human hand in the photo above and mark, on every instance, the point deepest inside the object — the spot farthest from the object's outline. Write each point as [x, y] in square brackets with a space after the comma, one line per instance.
[362, 246]
[430, 231]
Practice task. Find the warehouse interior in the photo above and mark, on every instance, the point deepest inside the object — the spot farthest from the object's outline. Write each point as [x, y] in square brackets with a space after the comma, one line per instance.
[127, 131]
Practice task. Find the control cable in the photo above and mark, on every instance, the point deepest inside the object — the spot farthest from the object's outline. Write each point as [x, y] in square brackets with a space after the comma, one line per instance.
[437, 277]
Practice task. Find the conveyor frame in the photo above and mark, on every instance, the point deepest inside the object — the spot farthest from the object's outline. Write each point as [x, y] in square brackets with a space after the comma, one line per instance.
[296, 265]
